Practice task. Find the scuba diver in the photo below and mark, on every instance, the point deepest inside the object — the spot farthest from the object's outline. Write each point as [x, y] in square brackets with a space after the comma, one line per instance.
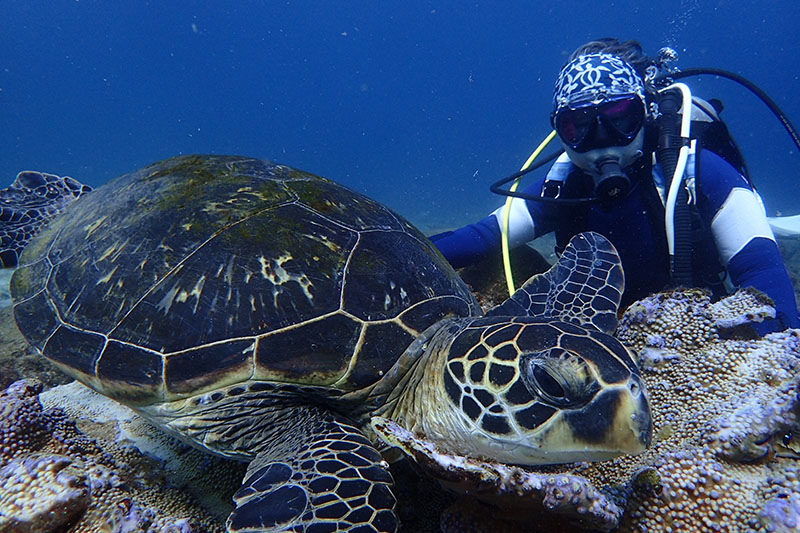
[621, 149]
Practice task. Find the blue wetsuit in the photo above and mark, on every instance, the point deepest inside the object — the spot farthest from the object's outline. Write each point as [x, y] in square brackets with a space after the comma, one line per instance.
[732, 234]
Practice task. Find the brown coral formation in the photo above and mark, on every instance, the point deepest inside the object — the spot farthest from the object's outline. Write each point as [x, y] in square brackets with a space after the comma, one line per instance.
[722, 409]
[41, 493]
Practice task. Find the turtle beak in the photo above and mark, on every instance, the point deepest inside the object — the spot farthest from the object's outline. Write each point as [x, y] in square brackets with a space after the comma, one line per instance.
[618, 419]
[643, 422]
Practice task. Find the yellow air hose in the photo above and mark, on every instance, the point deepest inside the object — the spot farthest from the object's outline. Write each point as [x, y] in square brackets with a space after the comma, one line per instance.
[507, 210]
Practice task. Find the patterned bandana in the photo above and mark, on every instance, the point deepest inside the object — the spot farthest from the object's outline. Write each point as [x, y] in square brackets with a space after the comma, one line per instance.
[594, 78]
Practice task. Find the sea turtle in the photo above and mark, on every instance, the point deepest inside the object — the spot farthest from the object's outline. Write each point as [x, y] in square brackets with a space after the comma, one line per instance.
[266, 314]
[31, 200]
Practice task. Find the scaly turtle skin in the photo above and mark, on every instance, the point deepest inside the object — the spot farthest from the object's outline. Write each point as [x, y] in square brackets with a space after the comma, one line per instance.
[27, 204]
[266, 314]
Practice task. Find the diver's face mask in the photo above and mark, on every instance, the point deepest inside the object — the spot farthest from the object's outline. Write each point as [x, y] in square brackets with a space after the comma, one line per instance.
[603, 139]
[612, 123]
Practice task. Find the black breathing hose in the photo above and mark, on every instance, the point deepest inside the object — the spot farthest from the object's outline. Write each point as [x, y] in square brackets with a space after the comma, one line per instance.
[744, 82]
[669, 144]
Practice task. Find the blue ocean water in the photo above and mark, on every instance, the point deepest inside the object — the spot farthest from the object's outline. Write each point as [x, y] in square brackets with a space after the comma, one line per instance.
[419, 104]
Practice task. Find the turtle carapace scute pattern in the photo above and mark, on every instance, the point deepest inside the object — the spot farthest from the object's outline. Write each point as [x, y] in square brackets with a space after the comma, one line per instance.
[266, 314]
[210, 271]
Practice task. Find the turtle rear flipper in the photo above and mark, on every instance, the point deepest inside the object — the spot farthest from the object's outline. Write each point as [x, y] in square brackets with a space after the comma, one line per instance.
[324, 471]
[584, 286]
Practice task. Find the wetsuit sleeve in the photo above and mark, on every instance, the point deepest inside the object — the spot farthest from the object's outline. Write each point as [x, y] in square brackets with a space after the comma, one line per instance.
[474, 242]
[470, 243]
[744, 239]
[759, 265]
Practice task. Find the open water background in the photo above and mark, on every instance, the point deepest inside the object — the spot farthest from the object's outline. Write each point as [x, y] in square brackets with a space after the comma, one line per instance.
[419, 104]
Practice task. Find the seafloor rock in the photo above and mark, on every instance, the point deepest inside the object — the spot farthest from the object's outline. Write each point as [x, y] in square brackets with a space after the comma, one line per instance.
[18, 360]
[725, 412]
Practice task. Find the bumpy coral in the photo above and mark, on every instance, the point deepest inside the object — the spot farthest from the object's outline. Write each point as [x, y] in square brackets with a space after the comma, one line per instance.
[53, 477]
[208, 479]
[519, 491]
[725, 414]
[781, 513]
[749, 307]
[722, 411]
[41, 493]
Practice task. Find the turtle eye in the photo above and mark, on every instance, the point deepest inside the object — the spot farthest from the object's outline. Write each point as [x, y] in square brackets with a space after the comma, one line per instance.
[558, 377]
[547, 383]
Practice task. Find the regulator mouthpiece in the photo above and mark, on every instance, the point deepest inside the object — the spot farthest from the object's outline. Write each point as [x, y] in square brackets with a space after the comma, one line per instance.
[610, 182]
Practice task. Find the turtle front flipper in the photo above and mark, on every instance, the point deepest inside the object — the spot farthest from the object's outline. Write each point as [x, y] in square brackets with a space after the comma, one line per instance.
[27, 205]
[323, 472]
[584, 286]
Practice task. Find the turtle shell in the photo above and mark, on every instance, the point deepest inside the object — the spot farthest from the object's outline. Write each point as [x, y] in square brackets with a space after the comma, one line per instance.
[203, 271]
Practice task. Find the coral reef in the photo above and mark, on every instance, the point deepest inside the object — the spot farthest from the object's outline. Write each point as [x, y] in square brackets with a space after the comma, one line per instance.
[724, 410]
[55, 477]
[520, 492]
[41, 493]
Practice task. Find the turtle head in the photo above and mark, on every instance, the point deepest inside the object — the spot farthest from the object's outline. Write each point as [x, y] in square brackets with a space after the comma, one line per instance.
[532, 391]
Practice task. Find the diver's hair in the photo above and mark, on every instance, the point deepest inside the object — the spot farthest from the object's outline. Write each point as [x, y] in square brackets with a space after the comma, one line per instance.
[629, 51]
